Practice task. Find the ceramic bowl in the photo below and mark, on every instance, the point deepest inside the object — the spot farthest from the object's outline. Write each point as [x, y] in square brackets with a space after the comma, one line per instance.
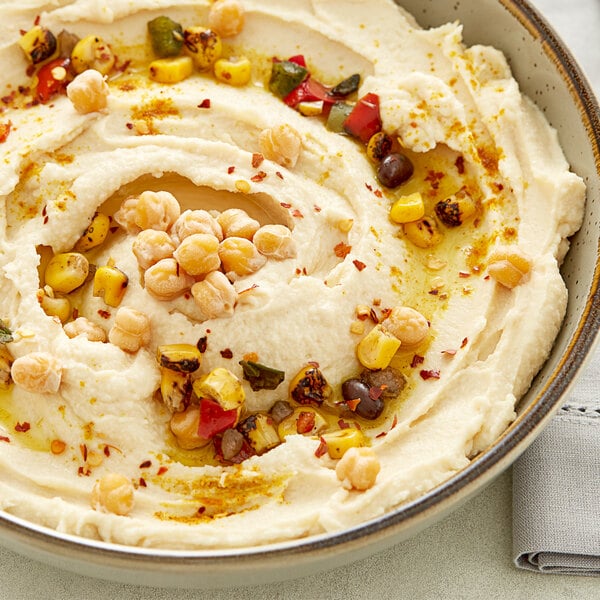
[548, 74]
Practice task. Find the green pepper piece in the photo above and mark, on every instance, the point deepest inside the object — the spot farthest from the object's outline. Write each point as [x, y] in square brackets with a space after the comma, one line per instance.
[337, 115]
[285, 77]
[166, 36]
[347, 86]
[5, 333]
[260, 376]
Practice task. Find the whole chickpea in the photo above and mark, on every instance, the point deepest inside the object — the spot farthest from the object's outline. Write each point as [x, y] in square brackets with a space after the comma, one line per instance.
[184, 426]
[236, 222]
[131, 329]
[195, 221]
[407, 324]
[156, 210]
[198, 254]
[166, 279]
[215, 296]
[226, 17]
[281, 144]
[37, 372]
[113, 493]
[358, 468]
[150, 246]
[275, 241]
[86, 328]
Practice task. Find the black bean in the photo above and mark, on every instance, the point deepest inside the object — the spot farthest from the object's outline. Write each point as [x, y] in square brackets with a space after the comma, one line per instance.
[394, 169]
[368, 407]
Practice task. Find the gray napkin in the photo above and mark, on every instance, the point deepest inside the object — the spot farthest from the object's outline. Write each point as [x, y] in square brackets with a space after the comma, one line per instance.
[556, 488]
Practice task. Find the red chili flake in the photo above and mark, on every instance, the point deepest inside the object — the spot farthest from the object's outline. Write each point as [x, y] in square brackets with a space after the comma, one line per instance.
[146, 464]
[381, 434]
[449, 352]
[429, 374]
[22, 31]
[433, 292]
[84, 451]
[286, 204]
[305, 422]
[84, 471]
[296, 213]
[322, 448]
[46, 219]
[278, 173]
[201, 510]
[343, 425]
[385, 313]
[106, 450]
[373, 316]
[368, 187]
[4, 131]
[227, 353]
[459, 163]
[205, 103]
[230, 170]
[342, 250]
[375, 392]
[359, 264]
[317, 208]
[298, 271]
[394, 422]
[434, 177]
[352, 404]
[162, 470]
[143, 482]
[417, 360]
[36, 21]
[378, 193]
[105, 314]
[202, 344]
[9, 97]
[22, 427]
[258, 177]
[464, 342]
[3, 438]
[464, 274]
[129, 125]
[257, 159]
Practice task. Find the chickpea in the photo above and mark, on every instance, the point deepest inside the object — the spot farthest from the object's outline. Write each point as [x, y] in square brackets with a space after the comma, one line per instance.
[236, 222]
[226, 17]
[281, 144]
[198, 254]
[156, 210]
[240, 257]
[215, 296]
[86, 328]
[509, 266]
[131, 330]
[113, 493]
[37, 372]
[166, 279]
[195, 221]
[88, 92]
[126, 215]
[407, 324]
[358, 468]
[184, 426]
[151, 245]
[275, 241]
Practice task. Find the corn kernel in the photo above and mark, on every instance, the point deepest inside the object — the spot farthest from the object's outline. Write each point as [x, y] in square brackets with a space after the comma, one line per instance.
[203, 46]
[92, 52]
[38, 44]
[377, 348]
[422, 233]
[175, 388]
[66, 272]
[55, 306]
[338, 442]
[111, 284]
[171, 70]
[223, 386]
[95, 234]
[6, 361]
[184, 358]
[304, 421]
[234, 71]
[408, 209]
[260, 432]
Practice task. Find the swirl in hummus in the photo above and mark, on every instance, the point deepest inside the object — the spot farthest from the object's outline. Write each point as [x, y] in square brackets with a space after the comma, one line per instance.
[369, 335]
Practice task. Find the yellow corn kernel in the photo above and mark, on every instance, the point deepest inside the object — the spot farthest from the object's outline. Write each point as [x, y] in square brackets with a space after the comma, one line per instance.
[203, 46]
[184, 358]
[111, 284]
[92, 52]
[456, 209]
[422, 233]
[408, 209]
[6, 361]
[377, 348]
[171, 70]
[310, 109]
[304, 421]
[175, 388]
[66, 272]
[309, 386]
[38, 44]
[234, 71]
[338, 442]
[54, 306]
[221, 385]
[260, 432]
[95, 234]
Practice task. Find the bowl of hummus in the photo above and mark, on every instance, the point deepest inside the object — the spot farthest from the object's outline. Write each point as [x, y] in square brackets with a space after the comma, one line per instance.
[280, 281]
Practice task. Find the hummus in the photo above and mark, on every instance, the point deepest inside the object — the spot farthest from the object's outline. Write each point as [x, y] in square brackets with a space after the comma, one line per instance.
[439, 272]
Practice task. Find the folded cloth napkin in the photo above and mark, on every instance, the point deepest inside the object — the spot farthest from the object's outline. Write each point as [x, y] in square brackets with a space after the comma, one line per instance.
[556, 488]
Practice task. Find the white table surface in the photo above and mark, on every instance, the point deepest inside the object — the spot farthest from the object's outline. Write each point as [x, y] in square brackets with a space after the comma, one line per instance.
[465, 556]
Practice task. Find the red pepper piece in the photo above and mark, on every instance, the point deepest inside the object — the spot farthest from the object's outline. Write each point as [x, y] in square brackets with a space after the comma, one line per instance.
[214, 419]
[298, 59]
[365, 120]
[48, 84]
[311, 90]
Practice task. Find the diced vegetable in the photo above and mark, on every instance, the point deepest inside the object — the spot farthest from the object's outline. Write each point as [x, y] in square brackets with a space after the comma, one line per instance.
[286, 75]
[95, 233]
[310, 386]
[379, 146]
[338, 442]
[260, 376]
[66, 272]
[92, 52]
[234, 71]
[203, 46]
[223, 386]
[53, 79]
[456, 209]
[377, 348]
[111, 284]
[347, 86]
[184, 358]
[338, 113]
[175, 388]
[408, 208]
[214, 419]
[171, 70]
[38, 44]
[166, 36]
[6, 361]
[364, 121]
[5, 333]
[260, 432]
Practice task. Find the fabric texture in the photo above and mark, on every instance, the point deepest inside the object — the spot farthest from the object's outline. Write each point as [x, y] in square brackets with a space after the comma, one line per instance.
[556, 488]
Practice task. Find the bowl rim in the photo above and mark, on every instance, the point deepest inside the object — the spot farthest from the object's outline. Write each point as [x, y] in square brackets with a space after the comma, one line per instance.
[485, 466]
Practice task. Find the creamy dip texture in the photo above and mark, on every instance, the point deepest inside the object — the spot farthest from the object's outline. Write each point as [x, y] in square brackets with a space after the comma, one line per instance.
[438, 296]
